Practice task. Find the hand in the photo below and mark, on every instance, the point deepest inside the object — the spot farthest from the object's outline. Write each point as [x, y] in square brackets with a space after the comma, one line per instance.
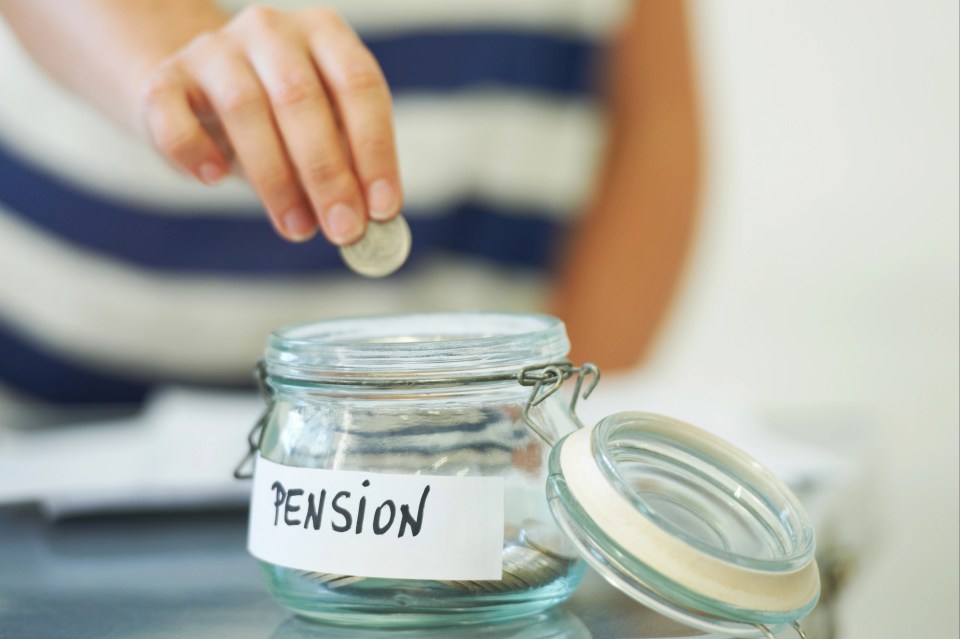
[304, 107]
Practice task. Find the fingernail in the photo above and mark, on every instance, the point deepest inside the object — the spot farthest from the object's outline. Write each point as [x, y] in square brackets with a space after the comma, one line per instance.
[382, 200]
[345, 224]
[299, 224]
[211, 173]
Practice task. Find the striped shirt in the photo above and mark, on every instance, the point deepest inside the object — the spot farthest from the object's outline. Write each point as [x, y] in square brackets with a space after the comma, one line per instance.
[118, 274]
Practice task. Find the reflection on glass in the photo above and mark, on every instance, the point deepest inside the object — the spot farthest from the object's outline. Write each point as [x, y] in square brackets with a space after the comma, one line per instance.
[555, 624]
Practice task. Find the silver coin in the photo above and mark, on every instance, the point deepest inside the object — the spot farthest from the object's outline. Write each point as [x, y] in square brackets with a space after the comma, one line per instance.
[547, 539]
[531, 567]
[382, 250]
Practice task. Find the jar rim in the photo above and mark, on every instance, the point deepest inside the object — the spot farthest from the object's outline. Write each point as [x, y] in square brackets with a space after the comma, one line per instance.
[414, 347]
[601, 479]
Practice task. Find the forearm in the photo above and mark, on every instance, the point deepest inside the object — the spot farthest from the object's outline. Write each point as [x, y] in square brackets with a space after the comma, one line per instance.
[626, 260]
[104, 49]
[627, 256]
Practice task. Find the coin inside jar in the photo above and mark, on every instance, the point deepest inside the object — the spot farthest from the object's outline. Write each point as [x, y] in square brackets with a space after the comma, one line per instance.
[381, 251]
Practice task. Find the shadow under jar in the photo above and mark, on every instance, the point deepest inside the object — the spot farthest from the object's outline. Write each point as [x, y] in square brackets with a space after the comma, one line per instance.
[432, 395]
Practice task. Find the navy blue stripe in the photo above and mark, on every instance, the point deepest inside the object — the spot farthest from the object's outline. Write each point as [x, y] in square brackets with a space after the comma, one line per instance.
[225, 244]
[439, 61]
[40, 373]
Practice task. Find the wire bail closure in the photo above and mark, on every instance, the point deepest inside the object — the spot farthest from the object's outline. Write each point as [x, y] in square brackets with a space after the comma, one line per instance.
[255, 437]
[547, 380]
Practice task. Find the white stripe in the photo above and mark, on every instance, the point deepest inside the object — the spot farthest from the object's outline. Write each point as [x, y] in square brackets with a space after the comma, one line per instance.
[505, 148]
[584, 18]
[121, 318]
[508, 149]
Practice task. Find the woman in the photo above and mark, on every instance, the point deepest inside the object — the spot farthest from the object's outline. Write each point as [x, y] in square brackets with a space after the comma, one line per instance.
[118, 275]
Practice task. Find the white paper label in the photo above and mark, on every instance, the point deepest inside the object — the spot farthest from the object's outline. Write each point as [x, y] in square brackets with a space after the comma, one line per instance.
[377, 524]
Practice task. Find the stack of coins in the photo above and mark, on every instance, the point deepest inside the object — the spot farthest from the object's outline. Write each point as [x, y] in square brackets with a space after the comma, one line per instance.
[524, 568]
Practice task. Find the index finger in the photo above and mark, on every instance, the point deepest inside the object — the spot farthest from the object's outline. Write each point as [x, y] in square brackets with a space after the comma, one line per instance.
[361, 96]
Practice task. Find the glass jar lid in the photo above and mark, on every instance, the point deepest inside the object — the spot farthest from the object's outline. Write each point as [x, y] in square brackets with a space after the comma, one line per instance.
[685, 523]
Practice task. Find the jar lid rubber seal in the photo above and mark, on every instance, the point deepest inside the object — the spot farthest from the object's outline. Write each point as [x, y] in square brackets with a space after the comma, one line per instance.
[685, 523]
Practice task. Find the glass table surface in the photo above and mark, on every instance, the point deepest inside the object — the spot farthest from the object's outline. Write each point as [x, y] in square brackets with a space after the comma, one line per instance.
[188, 575]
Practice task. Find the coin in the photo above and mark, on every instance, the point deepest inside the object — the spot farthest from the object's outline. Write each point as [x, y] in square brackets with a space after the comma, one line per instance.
[381, 251]
[547, 539]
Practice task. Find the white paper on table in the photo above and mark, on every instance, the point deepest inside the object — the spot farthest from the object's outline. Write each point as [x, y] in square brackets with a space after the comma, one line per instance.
[179, 452]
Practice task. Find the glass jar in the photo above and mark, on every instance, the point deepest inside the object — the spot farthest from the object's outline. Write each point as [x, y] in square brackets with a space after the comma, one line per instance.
[421, 470]
[433, 395]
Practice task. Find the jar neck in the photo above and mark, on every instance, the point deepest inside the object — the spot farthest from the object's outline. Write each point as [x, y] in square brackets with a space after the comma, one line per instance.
[432, 350]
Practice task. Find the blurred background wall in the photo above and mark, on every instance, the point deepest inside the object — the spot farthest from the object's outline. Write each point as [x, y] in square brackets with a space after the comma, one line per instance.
[825, 284]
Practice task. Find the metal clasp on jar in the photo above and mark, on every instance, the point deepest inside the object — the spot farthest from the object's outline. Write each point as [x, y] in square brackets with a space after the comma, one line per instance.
[255, 437]
[547, 380]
